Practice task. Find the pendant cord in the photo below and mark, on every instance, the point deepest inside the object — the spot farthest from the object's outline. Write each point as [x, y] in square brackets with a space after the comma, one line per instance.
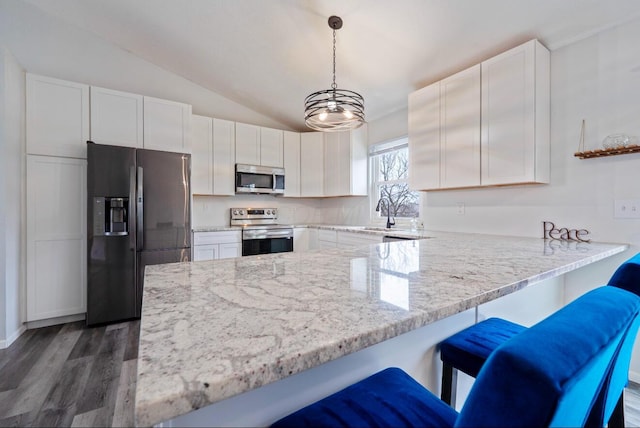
[333, 85]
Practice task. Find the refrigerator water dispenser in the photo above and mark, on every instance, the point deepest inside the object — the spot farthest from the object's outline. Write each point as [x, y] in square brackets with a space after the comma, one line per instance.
[110, 216]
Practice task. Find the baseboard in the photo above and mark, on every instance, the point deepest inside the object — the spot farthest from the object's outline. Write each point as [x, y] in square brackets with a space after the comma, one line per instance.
[634, 376]
[9, 340]
[54, 321]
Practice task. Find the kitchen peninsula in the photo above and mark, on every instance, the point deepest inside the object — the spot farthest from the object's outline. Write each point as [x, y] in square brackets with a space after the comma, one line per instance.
[279, 331]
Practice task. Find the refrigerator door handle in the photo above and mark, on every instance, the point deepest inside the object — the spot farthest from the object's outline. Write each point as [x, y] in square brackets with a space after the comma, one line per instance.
[140, 209]
[131, 208]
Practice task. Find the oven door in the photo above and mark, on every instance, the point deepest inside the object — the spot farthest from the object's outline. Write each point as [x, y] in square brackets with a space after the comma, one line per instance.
[256, 242]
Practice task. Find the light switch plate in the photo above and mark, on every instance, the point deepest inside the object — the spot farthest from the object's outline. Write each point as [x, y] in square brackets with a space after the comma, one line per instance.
[626, 208]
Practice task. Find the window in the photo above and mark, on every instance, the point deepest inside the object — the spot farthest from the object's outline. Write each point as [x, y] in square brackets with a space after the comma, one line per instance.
[390, 186]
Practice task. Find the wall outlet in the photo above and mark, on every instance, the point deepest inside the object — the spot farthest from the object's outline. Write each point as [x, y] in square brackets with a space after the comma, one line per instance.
[626, 208]
[460, 208]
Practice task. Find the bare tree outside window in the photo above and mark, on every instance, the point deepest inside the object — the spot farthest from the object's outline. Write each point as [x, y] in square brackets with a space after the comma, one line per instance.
[392, 170]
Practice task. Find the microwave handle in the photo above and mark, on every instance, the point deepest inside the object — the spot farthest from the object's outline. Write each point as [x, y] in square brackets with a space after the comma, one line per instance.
[274, 182]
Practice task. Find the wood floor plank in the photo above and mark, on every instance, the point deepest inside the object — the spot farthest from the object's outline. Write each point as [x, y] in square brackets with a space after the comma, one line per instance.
[86, 419]
[123, 414]
[102, 384]
[21, 365]
[89, 342]
[131, 351]
[34, 387]
[59, 407]
[21, 420]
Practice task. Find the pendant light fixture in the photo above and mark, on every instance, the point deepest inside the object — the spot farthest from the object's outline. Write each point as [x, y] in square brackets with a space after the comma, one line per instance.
[334, 109]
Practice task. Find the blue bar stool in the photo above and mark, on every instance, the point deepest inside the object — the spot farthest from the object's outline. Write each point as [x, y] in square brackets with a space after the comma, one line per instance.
[530, 380]
[468, 349]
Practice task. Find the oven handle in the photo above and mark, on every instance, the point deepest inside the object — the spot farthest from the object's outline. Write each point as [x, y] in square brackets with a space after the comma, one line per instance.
[266, 234]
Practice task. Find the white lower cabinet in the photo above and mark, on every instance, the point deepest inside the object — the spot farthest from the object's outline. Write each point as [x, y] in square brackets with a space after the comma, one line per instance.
[351, 239]
[56, 237]
[216, 245]
[301, 237]
[327, 238]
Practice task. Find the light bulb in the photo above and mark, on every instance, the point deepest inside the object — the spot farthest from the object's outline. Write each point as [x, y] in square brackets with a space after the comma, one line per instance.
[347, 114]
[322, 116]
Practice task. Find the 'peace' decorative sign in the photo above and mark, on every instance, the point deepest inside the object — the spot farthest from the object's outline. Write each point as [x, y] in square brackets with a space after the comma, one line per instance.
[550, 231]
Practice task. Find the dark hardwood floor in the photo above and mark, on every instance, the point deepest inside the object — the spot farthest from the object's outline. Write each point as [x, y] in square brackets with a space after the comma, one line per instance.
[70, 375]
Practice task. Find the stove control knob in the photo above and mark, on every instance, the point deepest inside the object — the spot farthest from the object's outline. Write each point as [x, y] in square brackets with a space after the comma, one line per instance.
[241, 212]
[268, 212]
[273, 212]
[235, 212]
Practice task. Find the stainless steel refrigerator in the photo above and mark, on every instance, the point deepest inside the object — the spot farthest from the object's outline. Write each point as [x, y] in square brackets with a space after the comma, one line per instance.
[138, 214]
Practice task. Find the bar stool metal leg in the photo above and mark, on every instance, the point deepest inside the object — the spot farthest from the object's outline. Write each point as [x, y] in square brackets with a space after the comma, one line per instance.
[617, 417]
[449, 384]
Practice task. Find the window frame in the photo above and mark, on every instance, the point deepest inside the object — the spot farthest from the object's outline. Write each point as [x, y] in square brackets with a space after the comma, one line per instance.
[375, 151]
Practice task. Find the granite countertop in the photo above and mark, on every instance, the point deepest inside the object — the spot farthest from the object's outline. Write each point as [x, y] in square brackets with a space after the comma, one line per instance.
[368, 230]
[214, 329]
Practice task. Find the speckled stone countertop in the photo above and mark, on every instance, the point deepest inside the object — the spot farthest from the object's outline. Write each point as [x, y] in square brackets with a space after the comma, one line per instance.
[397, 231]
[214, 329]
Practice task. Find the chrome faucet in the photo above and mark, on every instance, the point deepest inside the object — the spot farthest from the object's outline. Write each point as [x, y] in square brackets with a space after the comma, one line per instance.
[389, 222]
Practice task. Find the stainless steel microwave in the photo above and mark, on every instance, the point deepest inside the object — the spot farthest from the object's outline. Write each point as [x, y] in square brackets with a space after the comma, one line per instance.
[259, 179]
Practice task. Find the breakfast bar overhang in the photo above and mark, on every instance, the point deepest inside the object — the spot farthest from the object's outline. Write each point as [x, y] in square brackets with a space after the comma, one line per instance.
[246, 341]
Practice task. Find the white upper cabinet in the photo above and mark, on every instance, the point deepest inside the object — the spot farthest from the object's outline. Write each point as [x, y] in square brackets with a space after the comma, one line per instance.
[424, 138]
[57, 120]
[213, 156]
[201, 155]
[311, 164]
[116, 118]
[167, 125]
[515, 116]
[485, 126]
[345, 167]
[271, 147]
[460, 129]
[224, 160]
[291, 143]
[247, 144]
[257, 145]
[444, 133]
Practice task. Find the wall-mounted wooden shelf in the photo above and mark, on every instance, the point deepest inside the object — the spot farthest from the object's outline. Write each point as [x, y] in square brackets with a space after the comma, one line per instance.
[588, 154]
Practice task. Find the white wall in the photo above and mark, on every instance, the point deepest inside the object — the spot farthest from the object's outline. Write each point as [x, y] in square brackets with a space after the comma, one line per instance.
[46, 45]
[214, 210]
[12, 91]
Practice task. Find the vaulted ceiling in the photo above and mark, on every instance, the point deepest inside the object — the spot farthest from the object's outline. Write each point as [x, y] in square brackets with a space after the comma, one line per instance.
[270, 54]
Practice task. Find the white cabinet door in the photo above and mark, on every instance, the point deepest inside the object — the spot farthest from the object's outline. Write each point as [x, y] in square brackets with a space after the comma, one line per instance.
[57, 120]
[116, 118]
[359, 146]
[224, 157]
[301, 237]
[167, 125]
[424, 138]
[292, 164]
[460, 129]
[201, 155]
[216, 245]
[56, 237]
[271, 147]
[311, 164]
[205, 252]
[334, 166]
[230, 250]
[515, 116]
[247, 144]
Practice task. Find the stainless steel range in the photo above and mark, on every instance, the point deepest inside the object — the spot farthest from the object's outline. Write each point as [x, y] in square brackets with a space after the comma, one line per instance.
[261, 233]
